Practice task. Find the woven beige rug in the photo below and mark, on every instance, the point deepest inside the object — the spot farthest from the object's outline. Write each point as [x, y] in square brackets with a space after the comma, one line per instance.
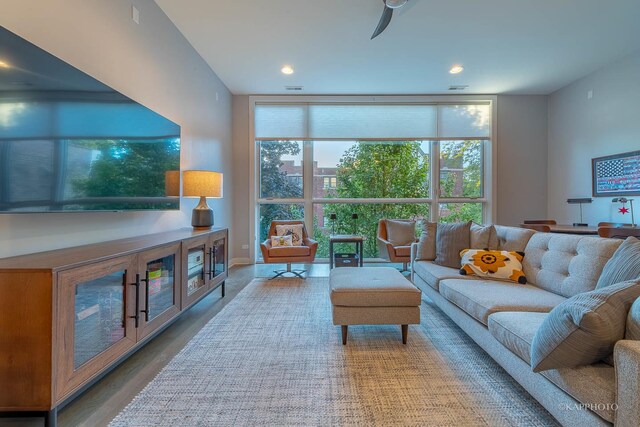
[273, 357]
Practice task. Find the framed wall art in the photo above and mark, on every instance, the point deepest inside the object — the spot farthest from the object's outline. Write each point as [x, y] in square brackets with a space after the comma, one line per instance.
[616, 175]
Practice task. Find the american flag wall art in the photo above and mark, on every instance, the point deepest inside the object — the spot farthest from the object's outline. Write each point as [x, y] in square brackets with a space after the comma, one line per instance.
[616, 175]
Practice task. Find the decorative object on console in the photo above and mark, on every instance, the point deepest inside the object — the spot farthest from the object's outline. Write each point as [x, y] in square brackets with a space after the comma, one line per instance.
[494, 264]
[333, 217]
[354, 216]
[580, 202]
[616, 175]
[202, 184]
[623, 210]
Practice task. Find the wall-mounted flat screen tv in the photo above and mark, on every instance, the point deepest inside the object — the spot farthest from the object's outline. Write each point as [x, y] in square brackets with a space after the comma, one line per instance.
[71, 143]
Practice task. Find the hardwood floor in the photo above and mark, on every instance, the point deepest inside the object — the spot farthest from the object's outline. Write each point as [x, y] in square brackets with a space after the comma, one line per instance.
[105, 399]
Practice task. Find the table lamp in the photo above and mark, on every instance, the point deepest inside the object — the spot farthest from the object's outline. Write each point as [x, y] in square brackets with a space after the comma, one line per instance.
[624, 209]
[202, 184]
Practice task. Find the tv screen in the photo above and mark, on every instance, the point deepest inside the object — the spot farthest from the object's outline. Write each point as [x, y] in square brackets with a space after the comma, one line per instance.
[71, 143]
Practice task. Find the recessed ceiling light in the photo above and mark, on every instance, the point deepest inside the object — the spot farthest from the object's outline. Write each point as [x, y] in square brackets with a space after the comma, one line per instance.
[287, 69]
[456, 69]
[4, 65]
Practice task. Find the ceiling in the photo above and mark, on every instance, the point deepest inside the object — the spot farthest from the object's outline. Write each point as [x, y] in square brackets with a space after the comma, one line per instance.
[506, 46]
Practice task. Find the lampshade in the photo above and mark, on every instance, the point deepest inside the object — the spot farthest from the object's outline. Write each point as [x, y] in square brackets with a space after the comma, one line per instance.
[197, 183]
[172, 183]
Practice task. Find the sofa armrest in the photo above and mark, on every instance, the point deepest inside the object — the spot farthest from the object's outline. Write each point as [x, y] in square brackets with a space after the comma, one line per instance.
[627, 362]
[414, 254]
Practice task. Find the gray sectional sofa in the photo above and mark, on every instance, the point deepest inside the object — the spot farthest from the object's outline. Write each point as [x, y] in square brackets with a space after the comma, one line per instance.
[502, 318]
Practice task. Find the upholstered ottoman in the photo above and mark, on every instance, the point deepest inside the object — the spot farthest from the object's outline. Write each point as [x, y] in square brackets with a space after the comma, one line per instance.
[373, 296]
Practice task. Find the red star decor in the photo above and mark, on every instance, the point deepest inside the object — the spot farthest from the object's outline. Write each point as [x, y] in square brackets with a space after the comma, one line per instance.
[623, 210]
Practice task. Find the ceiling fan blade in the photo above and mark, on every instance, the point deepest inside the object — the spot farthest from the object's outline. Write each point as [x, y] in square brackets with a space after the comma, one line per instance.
[387, 13]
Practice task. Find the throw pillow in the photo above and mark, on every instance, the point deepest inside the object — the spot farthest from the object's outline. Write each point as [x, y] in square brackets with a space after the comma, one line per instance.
[451, 239]
[295, 230]
[583, 329]
[633, 322]
[278, 241]
[483, 237]
[623, 265]
[494, 264]
[401, 233]
[426, 249]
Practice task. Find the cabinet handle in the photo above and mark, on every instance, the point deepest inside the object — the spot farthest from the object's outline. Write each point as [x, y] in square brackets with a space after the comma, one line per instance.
[124, 298]
[211, 258]
[137, 285]
[146, 296]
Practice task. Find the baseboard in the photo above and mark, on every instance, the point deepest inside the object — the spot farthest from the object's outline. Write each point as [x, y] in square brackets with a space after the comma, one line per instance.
[239, 261]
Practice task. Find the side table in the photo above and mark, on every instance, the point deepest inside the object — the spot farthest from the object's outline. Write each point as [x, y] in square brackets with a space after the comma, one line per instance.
[346, 238]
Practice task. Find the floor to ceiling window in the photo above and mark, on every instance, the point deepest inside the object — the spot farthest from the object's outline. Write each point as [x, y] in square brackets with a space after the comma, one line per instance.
[366, 162]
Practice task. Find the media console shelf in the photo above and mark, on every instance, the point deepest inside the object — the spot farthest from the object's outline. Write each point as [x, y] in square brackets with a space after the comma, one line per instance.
[67, 316]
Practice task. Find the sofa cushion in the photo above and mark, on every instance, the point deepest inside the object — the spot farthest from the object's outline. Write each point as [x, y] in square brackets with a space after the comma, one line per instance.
[481, 298]
[433, 273]
[512, 238]
[593, 384]
[623, 265]
[632, 331]
[515, 330]
[585, 328]
[400, 233]
[426, 249]
[289, 251]
[483, 237]
[494, 265]
[566, 264]
[403, 251]
[451, 238]
[372, 287]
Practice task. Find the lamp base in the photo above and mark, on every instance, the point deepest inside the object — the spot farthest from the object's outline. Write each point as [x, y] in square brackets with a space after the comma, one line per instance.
[202, 215]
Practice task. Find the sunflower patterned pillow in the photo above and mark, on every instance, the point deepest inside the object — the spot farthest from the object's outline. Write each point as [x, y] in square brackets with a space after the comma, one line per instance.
[494, 264]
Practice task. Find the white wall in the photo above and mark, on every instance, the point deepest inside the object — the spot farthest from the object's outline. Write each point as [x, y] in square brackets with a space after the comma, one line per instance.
[151, 63]
[522, 162]
[581, 129]
[522, 158]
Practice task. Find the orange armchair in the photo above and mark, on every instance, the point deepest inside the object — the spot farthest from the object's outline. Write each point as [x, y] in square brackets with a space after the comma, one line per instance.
[288, 254]
[400, 254]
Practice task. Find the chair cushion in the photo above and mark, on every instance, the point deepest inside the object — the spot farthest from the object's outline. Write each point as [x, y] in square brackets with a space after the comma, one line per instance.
[585, 328]
[289, 251]
[587, 384]
[433, 273]
[295, 230]
[450, 240]
[403, 251]
[566, 264]
[372, 287]
[400, 233]
[623, 265]
[515, 330]
[481, 298]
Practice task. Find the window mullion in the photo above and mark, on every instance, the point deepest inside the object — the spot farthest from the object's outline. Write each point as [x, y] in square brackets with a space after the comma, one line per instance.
[307, 185]
[435, 181]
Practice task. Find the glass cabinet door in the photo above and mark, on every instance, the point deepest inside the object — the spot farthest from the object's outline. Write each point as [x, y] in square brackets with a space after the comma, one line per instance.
[158, 287]
[95, 319]
[99, 316]
[219, 261]
[196, 269]
[196, 256]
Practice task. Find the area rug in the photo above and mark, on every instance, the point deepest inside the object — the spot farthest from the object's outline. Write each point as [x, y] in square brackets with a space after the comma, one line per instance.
[273, 357]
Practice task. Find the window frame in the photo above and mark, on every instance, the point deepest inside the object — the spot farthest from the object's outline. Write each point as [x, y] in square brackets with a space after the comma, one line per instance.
[489, 168]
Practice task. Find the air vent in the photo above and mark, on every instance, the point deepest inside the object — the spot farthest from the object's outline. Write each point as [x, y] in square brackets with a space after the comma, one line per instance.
[458, 87]
[295, 88]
